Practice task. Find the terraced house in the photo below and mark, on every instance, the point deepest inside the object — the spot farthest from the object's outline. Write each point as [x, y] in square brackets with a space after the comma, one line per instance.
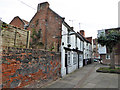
[57, 48]
[71, 50]
[49, 31]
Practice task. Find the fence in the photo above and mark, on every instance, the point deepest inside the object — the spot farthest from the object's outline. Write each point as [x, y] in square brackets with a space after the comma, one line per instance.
[14, 37]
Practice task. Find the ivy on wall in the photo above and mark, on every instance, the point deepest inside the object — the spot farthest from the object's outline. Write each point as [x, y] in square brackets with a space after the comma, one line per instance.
[36, 39]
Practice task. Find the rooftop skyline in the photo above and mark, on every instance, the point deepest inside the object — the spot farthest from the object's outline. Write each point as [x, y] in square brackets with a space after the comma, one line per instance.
[88, 15]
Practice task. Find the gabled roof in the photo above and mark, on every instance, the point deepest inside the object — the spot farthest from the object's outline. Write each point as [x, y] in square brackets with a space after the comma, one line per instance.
[55, 13]
[89, 39]
[32, 18]
[70, 28]
[26, 22]
[22, 20]
[50, 10]
[80, 36]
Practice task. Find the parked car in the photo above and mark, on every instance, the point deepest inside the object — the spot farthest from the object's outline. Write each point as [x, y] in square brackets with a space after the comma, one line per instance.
[95, 60]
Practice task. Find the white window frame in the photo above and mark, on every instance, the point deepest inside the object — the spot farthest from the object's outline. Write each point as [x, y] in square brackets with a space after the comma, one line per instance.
[69, 57]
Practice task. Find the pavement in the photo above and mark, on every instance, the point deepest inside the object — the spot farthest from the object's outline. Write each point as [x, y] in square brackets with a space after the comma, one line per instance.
[86, 77]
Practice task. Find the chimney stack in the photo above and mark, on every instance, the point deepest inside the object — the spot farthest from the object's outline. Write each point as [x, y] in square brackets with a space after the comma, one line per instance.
[72, 28]
[89, 39]
[82, 32]
[44, 5]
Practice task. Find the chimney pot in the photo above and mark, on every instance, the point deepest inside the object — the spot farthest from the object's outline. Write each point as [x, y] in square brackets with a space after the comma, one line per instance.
[43, 5]
[82, 32]
[72, 28]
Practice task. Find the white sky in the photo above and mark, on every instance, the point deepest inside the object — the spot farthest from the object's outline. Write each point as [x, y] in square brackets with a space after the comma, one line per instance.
[92, 15]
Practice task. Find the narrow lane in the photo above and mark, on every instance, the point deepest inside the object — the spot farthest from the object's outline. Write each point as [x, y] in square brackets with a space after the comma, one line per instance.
[86, 77]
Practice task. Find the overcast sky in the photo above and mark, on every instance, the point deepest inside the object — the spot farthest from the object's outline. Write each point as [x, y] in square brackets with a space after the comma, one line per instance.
[88, 15]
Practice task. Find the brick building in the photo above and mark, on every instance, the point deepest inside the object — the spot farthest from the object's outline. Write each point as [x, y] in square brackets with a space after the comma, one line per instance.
[106, 55]
[48, 24]
[87, 53]
[95, 49]
[18, 22]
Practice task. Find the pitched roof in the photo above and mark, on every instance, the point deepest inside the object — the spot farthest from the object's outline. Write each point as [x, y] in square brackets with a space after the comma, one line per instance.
[26, 22]
[22, 20]
[50, 10]
[55, 13]
[84, 38]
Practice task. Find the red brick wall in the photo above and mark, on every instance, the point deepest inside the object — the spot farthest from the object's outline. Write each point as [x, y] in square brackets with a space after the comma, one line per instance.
[41, 17]
[21, 67]
[17, 22]
[107, 61]
[50, 24]
[54, 28]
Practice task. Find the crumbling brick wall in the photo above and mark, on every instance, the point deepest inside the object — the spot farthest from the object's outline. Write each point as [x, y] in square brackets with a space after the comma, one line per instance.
[21, 67]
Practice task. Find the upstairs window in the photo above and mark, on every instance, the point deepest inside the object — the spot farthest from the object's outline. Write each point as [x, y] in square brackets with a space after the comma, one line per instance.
[68, 37]
[76, 41]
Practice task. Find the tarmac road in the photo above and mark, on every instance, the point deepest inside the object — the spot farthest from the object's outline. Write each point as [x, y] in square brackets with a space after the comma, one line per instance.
[86, 77]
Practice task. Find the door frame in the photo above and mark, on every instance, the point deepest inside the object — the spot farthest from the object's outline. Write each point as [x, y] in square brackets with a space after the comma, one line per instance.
[66, 61]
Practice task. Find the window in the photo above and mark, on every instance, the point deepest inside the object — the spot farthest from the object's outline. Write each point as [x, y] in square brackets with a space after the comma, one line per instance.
[74, 58]
[87, 44]
[87, 55]
[80, 45]
[68, 37]
[80, 57]
[108, 56]
[76, 41]
[69, 58]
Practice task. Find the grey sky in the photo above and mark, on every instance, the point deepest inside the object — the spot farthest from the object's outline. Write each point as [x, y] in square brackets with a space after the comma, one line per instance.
[92, 15]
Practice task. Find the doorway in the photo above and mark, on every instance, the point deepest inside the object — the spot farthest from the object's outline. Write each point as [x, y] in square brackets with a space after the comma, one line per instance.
[66, 64]
[78, 60]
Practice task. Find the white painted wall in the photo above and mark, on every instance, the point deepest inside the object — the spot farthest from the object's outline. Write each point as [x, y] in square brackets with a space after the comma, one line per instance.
[81, 60]
[72, 56]
[101, 49]
[63, 40]
[87, 50]
[90, 50]
[81, 45]
[78, 43]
